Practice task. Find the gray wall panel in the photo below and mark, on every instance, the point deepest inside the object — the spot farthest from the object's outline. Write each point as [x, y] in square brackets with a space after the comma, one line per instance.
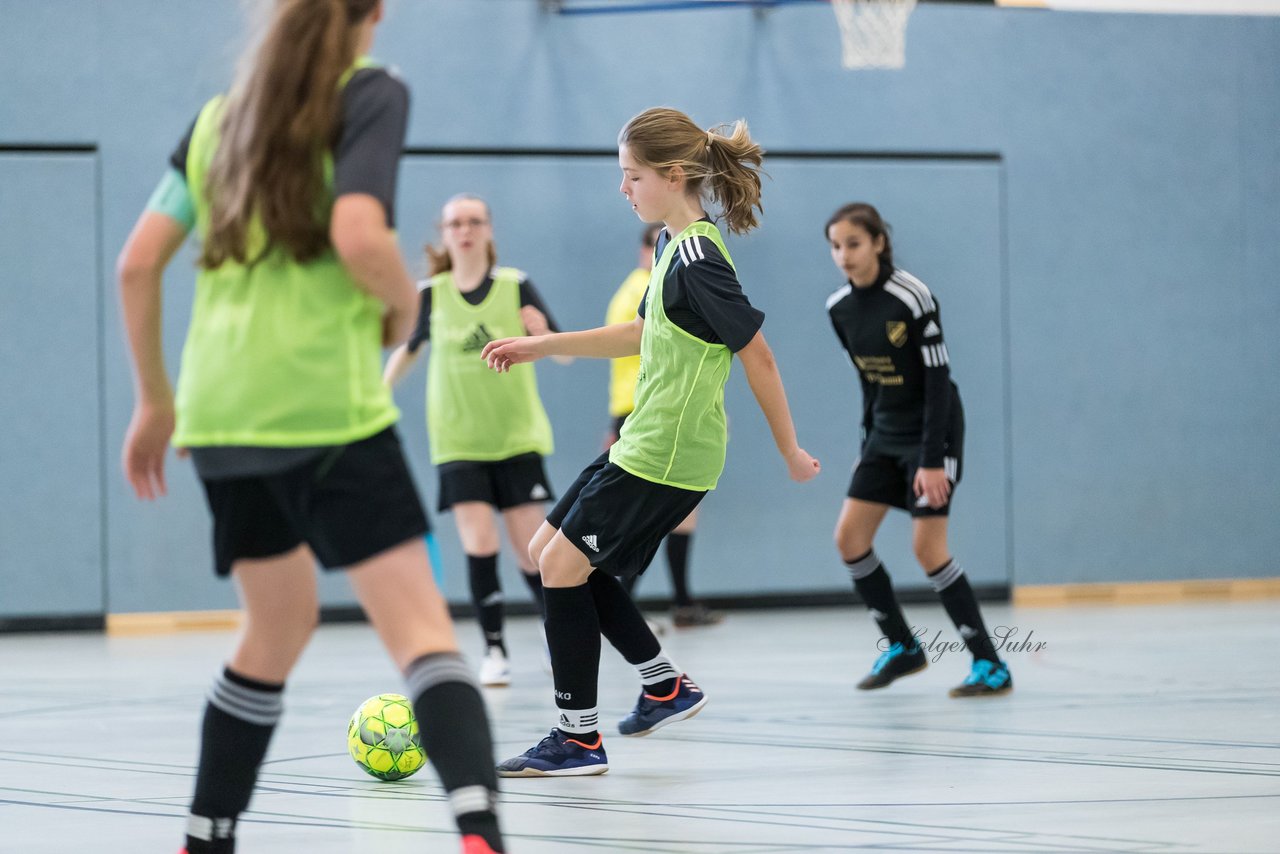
[1140, 197]
[51, 559]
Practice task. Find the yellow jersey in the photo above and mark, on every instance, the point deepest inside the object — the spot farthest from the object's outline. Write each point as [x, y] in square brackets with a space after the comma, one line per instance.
[622, 372]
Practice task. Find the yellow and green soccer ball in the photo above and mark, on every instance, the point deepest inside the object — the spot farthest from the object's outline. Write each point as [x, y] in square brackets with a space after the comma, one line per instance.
[383, 737]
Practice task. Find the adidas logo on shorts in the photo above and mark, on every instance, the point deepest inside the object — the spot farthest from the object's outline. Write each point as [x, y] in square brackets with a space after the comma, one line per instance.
[590, 540]
[539, 493]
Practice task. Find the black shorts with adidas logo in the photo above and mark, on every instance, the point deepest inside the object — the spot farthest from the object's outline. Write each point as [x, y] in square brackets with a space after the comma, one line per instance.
[517, 480]
[618, 520]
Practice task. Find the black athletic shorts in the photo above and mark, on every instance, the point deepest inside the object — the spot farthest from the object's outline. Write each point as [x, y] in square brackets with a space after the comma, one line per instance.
[618, 520]
[348, 504]
[887, 477]
[503, 483]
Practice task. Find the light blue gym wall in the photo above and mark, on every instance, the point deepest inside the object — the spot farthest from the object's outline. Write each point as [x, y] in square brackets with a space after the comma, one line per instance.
[1108, 284]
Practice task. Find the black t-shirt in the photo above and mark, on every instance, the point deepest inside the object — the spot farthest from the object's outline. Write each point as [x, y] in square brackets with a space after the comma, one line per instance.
[701, 294]
[892, 331]
[422, 331]
[370, 137]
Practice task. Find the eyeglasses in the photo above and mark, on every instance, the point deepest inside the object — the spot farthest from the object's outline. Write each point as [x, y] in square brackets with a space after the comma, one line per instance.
[459, 224]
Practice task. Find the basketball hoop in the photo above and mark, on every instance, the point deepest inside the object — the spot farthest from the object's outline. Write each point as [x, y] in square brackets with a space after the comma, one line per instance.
[873, 32]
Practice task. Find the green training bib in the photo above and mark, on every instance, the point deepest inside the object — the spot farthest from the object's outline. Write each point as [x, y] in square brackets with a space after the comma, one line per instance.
[676, 434]
[474, 413]
[279, 353]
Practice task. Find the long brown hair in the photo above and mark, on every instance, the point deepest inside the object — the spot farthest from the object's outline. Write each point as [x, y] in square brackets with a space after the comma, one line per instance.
[438, 260]
[280, 120]
[865, 215]
[723, 162]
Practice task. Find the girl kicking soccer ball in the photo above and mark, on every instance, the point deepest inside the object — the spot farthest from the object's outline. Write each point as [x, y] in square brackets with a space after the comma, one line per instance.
[671, 450]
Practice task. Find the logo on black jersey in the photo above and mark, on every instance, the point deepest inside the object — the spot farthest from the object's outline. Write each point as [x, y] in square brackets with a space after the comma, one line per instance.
[897, 332]
[476, 339]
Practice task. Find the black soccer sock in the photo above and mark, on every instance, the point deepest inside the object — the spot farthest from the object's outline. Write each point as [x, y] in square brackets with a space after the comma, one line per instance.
[239, 718]
[625, 627]
[573, 638]
[534, 581]
[962, 607]
[629, 584]
[678, 562]
[876, 589]
[620, 620]
[455, 735]
[486, 595]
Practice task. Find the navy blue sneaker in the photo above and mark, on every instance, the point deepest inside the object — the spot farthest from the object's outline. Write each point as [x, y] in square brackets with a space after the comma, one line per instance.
[894, 663]
[651, 712]
[558, 755]
[985, 679]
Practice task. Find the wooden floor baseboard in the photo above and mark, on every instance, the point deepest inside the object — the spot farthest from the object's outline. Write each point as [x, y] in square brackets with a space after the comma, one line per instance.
[1035, 595]
[167, 622]
[1146, 592]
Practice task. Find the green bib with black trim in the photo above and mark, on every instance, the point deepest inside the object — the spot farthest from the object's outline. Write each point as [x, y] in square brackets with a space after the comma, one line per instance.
[474, 413]
[676, 434]
[279, 353]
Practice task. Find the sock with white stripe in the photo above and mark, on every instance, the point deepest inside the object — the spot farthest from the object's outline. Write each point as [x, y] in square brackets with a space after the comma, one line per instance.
[486, 595]
[239, 718]
[625, 627]
[962, 607]
[873, 584]
[455, 735]
[573, 638]
[658, 674]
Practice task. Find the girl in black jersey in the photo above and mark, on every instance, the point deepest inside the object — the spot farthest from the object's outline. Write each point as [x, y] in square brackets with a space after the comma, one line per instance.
[287, 181]
[911, 456]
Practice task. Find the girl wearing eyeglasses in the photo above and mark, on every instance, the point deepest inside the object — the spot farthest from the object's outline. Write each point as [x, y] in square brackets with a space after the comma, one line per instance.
[488, 433]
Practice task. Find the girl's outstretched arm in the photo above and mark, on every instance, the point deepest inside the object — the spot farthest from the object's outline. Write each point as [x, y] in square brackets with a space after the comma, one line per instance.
[603, 342]
[766, 385]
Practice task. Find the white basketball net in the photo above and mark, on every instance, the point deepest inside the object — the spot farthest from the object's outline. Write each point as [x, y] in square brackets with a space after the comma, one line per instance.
[873, 32]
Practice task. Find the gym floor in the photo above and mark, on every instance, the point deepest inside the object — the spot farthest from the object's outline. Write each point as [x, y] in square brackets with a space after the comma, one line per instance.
[1153, 728]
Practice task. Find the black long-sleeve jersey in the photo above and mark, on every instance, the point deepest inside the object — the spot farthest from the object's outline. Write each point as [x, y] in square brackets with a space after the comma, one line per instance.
[893, 333]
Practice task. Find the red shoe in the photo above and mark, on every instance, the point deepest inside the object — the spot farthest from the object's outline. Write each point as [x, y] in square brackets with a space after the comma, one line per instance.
[475, 844]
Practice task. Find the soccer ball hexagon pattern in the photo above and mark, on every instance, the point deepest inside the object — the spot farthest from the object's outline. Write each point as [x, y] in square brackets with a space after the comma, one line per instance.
[383, 738]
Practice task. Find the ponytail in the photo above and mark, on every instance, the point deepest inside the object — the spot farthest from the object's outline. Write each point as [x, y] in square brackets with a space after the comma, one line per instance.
[280, 121]
[722, 166]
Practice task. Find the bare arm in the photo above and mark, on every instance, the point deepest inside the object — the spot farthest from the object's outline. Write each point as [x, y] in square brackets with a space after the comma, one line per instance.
[603, 342]
[367, 248]
[766, 385]
[155, 238]
[399, 364]
[535, 323]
